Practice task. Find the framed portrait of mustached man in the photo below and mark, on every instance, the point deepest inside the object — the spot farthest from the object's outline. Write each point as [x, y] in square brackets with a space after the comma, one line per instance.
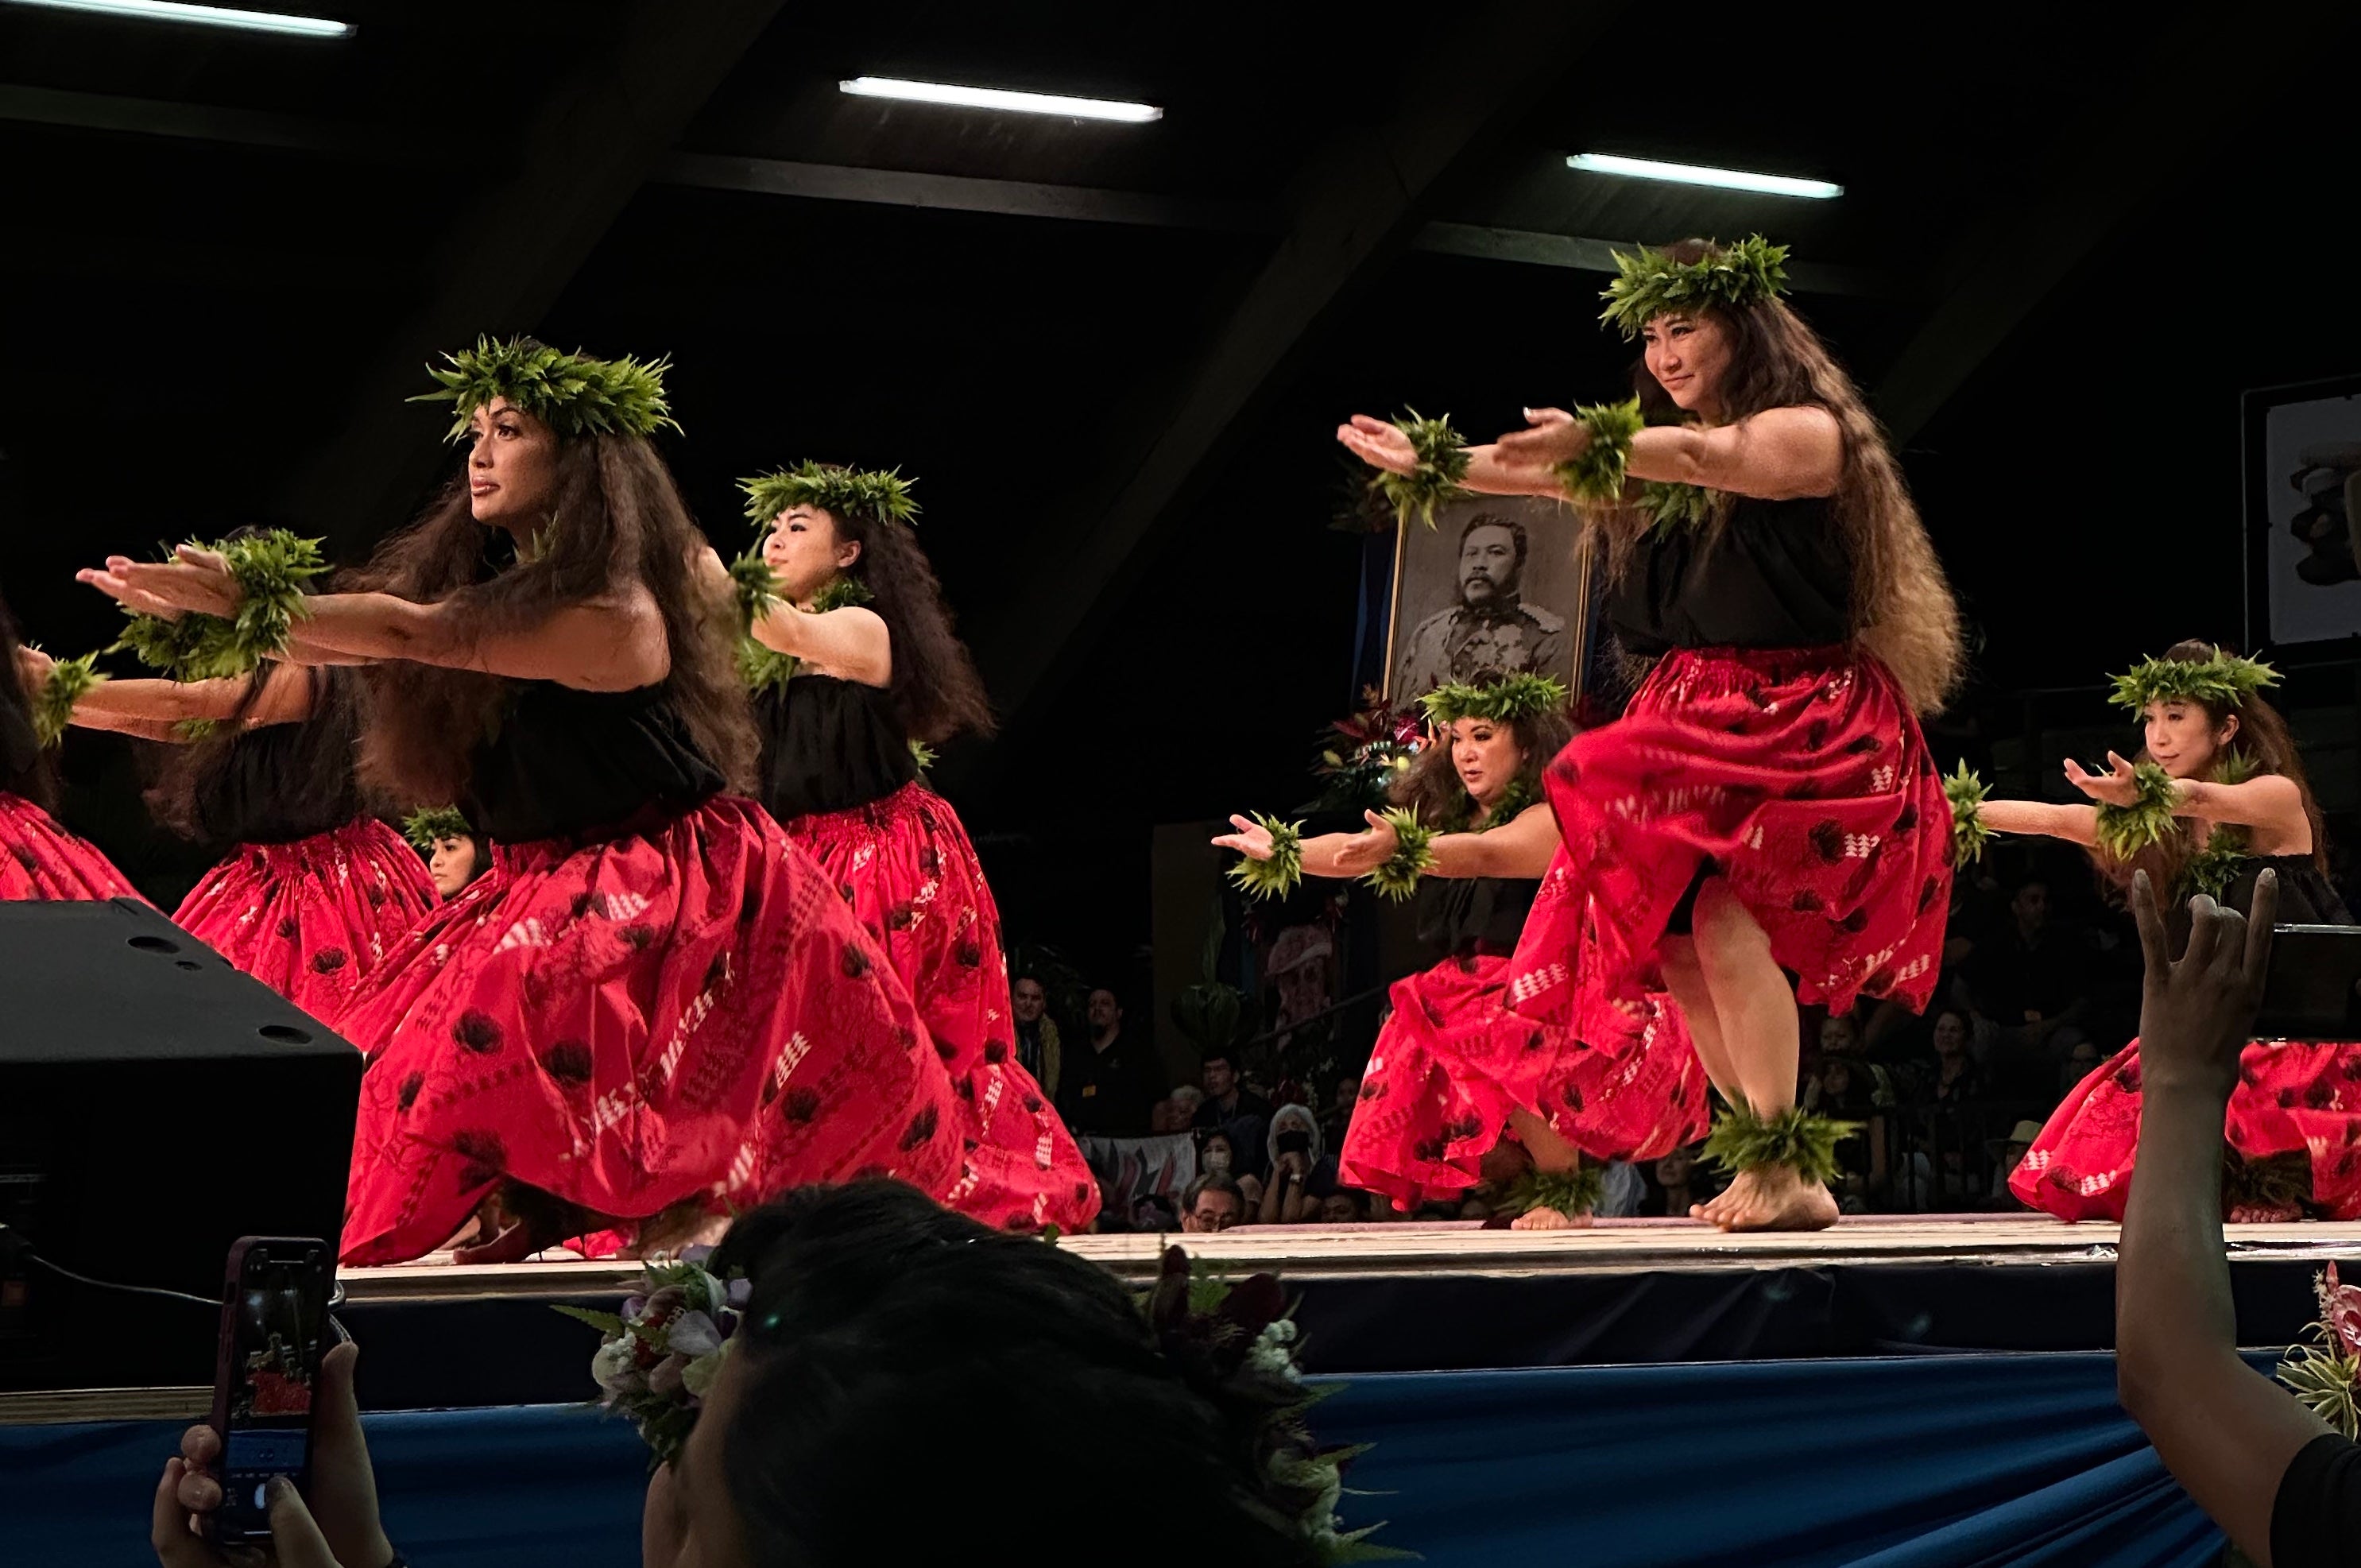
[1497, 586]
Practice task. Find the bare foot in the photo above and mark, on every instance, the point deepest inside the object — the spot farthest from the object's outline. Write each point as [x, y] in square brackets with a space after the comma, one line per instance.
[511, 1246]
[1771, 1198]
[1539, 1219]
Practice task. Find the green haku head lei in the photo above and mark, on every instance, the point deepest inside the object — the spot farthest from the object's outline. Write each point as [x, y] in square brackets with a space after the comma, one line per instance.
[840, 492]
[1503, 701]
[428, 824]
[573, 394]
[1650, 283]
[2222, 681]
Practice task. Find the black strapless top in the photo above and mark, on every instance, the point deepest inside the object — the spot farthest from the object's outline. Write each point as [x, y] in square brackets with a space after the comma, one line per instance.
[2306, 898]
[20, 752]
[577, 764]
[829, 745]
[262, 789]
[1461, 916]
[1777, 575]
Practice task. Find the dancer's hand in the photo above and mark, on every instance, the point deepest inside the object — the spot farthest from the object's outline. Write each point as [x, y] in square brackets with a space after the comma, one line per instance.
[1252, 839]
[2195, 1015]
[1551, 437]
[1357, 854]
[342, 1498]
[2118, 787]
[1378, 444]
[195, 581]
[33, 667]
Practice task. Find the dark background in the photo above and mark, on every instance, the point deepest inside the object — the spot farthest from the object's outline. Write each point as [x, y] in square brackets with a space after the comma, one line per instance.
[2062, 253]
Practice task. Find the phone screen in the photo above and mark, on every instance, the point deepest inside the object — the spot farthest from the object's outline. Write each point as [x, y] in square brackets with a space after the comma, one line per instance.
[275, 1314]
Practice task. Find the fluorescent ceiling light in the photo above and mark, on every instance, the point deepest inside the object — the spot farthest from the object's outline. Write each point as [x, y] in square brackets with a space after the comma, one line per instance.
[1694, 174]
[204, 16]
[994, 98]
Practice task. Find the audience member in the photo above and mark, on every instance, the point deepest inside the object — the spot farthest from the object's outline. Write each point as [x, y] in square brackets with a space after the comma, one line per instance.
[2028, 980]
[1342, 1206]
[2008, 1154]
[1956, 1079]
[1295, 1160]
[1234, 1108]
[1039, 1050]
[869, 1305]
[1212, 1204]
[1337, 1119]
[1678, 1185]
[1108, 1088]
[2284, 1486]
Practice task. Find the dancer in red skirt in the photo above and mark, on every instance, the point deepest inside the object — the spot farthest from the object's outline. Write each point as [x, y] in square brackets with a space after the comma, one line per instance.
[1767, 806]
[314, 893]
[654, 1006]
[1459, 1088]
[855, 660]
[38, 858]
[2216, 797]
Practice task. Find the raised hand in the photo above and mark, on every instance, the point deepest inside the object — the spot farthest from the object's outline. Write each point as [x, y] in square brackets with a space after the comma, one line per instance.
[1378, 444]
[2116, 787]
[2196, 1015]
[193, 581]
[1551, 437]
[1357, 854]
[1252, 839]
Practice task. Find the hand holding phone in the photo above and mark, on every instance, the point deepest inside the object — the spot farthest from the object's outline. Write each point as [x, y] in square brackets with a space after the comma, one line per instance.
[274, 1330]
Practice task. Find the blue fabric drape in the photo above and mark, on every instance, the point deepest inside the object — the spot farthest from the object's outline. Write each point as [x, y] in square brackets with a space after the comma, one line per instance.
[1936, 1462]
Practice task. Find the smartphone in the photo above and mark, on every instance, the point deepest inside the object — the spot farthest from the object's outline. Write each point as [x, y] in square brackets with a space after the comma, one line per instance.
[2312, 990]
[274, 1328]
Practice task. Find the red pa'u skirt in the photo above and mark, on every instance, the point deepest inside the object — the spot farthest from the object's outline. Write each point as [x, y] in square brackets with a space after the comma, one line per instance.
[40, 859]
[1451, 1062]
[686, 1013]
[2294, 1121]
[906, 867]
[1799, 777]
[312, 917]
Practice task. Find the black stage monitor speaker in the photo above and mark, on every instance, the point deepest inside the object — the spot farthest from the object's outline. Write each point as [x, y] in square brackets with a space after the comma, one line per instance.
[156, 1105]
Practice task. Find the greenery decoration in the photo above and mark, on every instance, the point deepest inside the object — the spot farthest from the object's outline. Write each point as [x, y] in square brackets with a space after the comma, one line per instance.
[1441, 475]
[1676, 505]
[1520, 795]
[1503, 701]
[1363, 754]
[1797, 1138]
[1597, 473]
[271, 570]
[424, 826]
[922, 754]
[1234, 1345]
[1398, 878]
[1573, 1194]
[2123, 831]
[2228, 848]
[757, 586]
[1650, 282]
[70, 680]
[2323, 1373]
[573, 394]
[1965, 790]
[2222, 681]
[840, 492]
[1278, 876]
[764, 667]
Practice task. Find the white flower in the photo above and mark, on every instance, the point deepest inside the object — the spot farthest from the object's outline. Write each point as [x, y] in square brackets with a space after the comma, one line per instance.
[616, 1369]
[692, 1334]
[698, 1376]
[1271, 1354]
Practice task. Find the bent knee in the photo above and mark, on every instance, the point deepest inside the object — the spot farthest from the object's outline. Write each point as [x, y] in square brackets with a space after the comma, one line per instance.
[1722, 921]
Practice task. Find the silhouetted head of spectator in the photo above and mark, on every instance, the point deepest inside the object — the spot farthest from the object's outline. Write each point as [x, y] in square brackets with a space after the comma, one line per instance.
[1217, 1156]
[1028, 999]
[1105, 1014]
[876, 1315]
[1348, 1094]
[1950, 1034]
[2080, 1063]
[1342, 1207]
[1840, 1035]
[2031, 907]
[1212, 1204]
[1675, 1168]
[1217, 1075]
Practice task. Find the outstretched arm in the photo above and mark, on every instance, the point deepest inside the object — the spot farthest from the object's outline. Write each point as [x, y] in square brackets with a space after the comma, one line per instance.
[1777, 454]
[849, 642]
[1519, 847]
[2075, 823]
[2270, 803]
[2225, 1433]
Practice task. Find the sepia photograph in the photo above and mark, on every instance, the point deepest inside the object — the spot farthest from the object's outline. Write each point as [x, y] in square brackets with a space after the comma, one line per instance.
[1495, 587]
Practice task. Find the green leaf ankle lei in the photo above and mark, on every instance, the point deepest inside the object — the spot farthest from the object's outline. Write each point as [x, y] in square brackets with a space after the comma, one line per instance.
[1802, 1140]
[1573, 1194]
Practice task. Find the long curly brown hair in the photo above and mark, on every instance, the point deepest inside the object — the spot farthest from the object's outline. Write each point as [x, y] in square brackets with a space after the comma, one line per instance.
[1430, 786]
[1903, 609]
[25, 770]
[935, 689]
[617, 520]
[2263, 736]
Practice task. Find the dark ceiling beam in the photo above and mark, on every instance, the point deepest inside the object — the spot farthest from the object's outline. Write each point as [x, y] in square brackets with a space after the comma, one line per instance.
[1530, 248]
[961, 193]
[202, 121]
[1355, 203]
[570, 168]
[2195, 84]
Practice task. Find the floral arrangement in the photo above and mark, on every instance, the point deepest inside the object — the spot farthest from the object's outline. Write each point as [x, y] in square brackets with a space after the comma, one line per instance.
[662, 1353]
[2324, 1373]
[1365, 752]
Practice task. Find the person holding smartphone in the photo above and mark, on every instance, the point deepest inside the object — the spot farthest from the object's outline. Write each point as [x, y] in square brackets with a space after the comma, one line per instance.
[38, 858]
[657, 1009]
[2215, 798]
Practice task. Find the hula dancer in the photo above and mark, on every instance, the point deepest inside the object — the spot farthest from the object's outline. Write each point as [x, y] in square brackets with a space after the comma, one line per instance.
[2216, 796]
[312, 892]
[1766, 805]
[1458, 1089]
[854, 668]
[38, 858]
[654, 1004]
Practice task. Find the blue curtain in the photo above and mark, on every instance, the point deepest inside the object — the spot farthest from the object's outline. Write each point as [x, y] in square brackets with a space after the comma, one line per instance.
[1937, 1462]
